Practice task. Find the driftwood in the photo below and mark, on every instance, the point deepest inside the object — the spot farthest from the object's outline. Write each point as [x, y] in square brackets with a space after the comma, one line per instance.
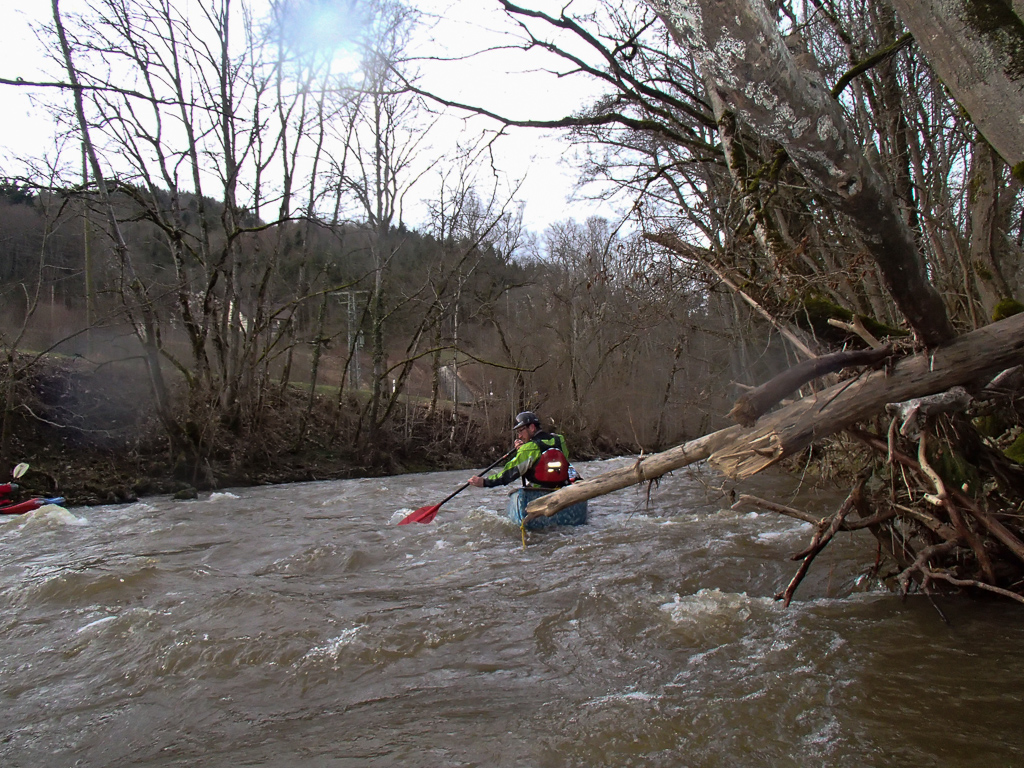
[856, 327]
[742, 451]
[746, 500]
[754, 404]
[825, 529]
[920, 564]
[1007, 383]
[913, 414]
[644, 469]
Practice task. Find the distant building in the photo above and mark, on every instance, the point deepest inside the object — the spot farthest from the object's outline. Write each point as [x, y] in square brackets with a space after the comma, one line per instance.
[455, 388]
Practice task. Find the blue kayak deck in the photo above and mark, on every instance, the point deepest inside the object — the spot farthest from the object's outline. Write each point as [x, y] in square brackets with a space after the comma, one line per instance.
[521, 497]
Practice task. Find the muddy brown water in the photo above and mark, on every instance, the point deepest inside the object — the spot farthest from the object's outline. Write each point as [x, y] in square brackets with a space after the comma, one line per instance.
[300, 626]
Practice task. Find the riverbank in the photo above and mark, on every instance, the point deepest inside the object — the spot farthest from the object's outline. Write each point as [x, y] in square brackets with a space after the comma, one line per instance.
[91, 435]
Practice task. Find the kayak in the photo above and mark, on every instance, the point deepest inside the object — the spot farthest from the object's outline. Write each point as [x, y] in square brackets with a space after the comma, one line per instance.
[28, 505]
[521, 497]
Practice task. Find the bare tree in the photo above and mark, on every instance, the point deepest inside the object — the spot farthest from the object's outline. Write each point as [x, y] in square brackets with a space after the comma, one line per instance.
[736, 42]
[214, 132]
[385, 161]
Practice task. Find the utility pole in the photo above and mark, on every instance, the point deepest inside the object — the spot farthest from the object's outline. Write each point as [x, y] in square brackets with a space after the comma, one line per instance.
[355, 334]
[88, 255]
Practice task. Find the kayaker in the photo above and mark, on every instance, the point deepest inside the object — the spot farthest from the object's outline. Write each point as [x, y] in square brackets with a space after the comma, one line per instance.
[542, 459]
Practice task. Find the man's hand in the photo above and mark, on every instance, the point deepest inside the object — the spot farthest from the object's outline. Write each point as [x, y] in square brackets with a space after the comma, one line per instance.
[476, 481]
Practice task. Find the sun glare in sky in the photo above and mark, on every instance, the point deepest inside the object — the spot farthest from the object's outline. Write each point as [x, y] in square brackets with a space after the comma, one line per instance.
[325, 27]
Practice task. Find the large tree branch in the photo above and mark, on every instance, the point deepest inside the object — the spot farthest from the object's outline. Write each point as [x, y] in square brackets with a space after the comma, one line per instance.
[644, 125]
[977, 48]
[750, 406]
[616, 75]
[85, 88]
[746, 61]
[870, 62]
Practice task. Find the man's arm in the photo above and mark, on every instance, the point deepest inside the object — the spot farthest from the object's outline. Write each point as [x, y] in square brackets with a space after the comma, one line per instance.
[517, 467]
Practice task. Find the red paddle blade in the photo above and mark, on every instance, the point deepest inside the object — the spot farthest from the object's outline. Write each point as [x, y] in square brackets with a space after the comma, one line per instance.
[421, 515]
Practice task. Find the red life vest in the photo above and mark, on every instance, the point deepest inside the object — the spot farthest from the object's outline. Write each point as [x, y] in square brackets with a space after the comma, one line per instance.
[552, 468]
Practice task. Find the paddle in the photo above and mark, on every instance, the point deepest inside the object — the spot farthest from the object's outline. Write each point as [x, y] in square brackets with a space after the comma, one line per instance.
[426, 514]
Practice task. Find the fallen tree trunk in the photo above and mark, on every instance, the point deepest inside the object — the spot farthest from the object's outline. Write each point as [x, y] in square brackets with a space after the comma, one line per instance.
[758, 401]
[740, 452]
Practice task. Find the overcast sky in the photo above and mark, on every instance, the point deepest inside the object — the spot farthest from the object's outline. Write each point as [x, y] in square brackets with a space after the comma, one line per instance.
[499, 82]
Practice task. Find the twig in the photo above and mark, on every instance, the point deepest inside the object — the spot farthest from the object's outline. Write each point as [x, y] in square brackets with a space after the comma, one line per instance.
[922, 558]
[772, 506]
[746, 500]
[37, 417]
[932, 523]
[975, 583]
[867, 522]
[821, 538]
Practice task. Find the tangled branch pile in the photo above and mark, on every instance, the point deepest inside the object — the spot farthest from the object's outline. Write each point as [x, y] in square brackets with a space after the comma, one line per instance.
[942, 496]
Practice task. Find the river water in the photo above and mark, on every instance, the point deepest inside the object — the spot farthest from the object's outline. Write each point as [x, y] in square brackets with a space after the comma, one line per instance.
[300, 626]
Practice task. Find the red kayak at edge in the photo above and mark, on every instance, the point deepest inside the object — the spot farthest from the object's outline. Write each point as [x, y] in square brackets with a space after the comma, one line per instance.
[28, 505]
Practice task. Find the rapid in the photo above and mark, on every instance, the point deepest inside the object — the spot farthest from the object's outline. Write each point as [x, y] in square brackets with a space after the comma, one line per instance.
[298, 625]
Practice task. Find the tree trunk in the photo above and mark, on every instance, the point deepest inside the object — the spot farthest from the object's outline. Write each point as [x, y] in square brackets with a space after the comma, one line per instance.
[984, 186]
[737, 43]
[977, 48]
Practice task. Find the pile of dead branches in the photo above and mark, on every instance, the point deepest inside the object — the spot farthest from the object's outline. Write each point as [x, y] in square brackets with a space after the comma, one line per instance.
[943, 501]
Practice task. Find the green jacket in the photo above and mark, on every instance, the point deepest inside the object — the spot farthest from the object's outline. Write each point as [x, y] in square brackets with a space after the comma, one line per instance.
[527, 455]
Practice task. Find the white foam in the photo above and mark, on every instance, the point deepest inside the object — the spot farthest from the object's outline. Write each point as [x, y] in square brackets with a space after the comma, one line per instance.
[96, 623]
[219, 495]
[712, 606]
[774, 535]
[400, 514]
[333, 647]
[53, 513]
[628, 696]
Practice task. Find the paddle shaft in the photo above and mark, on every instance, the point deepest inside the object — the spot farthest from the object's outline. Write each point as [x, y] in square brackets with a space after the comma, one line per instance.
[466, 485]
